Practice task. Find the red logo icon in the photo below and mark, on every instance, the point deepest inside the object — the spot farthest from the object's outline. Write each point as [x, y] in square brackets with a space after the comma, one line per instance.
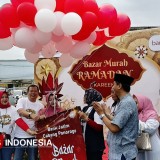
[1, 140]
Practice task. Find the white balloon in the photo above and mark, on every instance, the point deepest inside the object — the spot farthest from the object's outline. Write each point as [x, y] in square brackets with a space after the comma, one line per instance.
[56, 38]
[80, 49]
[91, 38]
[58, 30]
[24, 38]
[48, 50]
[45, 20]
[65, 60]
[36, 49]
[64, 45]
[98, 29]
[6, 43]
[49, 4]
[13, 30]
[42, 37]
[106, 32]
[33, 58]
[71, 23]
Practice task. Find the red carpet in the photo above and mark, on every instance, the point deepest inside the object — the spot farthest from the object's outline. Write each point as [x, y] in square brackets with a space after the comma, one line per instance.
[105, 155]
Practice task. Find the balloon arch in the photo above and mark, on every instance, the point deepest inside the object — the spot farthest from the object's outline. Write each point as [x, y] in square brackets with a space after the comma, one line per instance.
[71, 27]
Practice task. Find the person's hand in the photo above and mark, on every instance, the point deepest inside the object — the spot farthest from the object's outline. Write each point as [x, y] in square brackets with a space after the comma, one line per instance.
[105, 108]
[34, 117]
[98, 108]
[83, 116]
[41, 117]
[31, 132]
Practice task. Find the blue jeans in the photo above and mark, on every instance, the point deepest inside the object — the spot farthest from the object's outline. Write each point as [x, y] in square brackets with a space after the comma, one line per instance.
[6, 153]
[32, 151]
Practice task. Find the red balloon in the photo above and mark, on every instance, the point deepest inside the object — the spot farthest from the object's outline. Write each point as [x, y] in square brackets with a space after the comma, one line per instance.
[89, 24]
[26, 12]
[4, 31]
[16, 3]
[8, 16]
[121, 26]
[60, 5]
[90, 21]
[107, 16]
[74, 6]
[91, 6]
[81, 35]
[101, 38]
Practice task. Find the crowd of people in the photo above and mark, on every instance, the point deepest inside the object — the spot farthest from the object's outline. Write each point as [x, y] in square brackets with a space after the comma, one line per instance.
[128, 116]
[28, 110]
[8, 117]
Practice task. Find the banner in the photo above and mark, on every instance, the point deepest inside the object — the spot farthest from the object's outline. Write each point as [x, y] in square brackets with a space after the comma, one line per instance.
[100, 67]
[60, 137]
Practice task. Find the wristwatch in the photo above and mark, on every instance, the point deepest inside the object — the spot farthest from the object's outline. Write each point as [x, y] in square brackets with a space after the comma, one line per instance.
[29, 116]
[101, 116]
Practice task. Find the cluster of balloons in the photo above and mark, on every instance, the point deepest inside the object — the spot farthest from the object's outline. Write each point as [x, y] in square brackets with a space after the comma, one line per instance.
[68, 26]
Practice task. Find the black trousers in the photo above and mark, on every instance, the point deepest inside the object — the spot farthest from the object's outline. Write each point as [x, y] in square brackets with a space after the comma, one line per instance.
[97, 155]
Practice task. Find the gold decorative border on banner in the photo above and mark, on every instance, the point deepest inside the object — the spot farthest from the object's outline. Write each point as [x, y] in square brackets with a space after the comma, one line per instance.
[138, 38]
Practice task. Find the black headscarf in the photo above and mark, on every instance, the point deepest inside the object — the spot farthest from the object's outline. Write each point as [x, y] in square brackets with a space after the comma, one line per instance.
[92, 95]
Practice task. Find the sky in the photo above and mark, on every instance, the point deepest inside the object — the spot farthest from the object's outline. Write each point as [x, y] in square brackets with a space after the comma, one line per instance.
[141, 13]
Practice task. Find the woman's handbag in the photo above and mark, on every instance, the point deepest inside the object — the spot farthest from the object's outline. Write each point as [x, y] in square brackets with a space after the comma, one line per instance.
[143, 142]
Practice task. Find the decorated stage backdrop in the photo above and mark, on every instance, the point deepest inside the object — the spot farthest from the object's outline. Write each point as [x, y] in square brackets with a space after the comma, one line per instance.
[134, 45]
[129, 54]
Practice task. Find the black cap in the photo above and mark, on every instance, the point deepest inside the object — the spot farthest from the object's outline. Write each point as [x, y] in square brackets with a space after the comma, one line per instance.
[124, 79]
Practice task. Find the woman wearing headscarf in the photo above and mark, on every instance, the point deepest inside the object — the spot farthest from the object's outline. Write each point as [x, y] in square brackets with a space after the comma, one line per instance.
[148, 122]
[92, 126]
[52, 106]
[8, 117]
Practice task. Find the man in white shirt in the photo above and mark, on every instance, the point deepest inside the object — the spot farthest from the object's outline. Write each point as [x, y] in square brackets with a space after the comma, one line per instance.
[28, 108]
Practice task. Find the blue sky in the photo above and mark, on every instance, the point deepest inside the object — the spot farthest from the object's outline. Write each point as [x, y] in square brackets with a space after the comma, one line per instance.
[141, 13]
